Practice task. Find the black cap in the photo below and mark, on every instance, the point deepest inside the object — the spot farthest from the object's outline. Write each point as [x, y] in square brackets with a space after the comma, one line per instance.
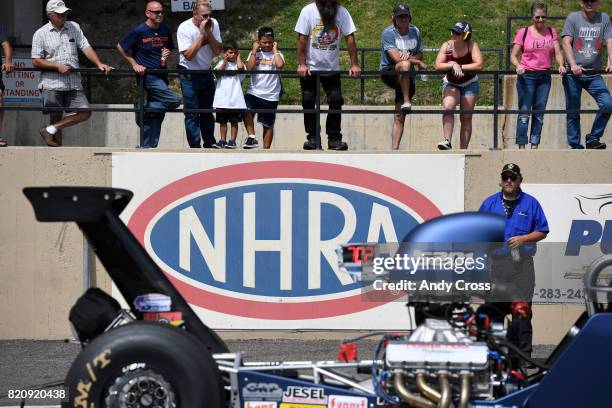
[401, 10]
[511, 168]
[461, 27]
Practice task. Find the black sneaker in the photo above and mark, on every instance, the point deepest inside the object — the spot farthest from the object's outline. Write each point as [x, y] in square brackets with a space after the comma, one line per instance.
[220, 144]
[310, 145]
[336, 144]
[445, 145]
[250, 143]
[596, 144]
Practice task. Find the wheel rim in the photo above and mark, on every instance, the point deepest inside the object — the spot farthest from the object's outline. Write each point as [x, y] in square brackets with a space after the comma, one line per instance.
[139, 386]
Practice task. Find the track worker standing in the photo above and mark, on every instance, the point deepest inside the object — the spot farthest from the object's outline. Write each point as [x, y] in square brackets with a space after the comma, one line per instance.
[199, 40]
[150, 44]
[319, 27]
[55, 50]
[583, 34]
[526, 224]
[402, 49]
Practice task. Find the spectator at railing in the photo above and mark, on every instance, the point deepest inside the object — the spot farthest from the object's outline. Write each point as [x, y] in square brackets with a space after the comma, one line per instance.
[7, 66]
[229, 100]
[402, 50]
[319, 27]
[456, 55]
[538, 44]
[199, 40]
[150, 44]
[54, 49]
[264, 91]
[583, 36]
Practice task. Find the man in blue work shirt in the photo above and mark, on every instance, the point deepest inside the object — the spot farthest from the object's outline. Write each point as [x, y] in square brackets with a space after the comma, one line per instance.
[526, 224]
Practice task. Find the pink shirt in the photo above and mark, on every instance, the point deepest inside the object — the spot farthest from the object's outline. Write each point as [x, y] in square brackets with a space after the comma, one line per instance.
[538, 51]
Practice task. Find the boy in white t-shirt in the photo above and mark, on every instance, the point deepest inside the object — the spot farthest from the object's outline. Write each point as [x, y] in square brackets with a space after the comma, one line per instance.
[229, 99]
[264, 91]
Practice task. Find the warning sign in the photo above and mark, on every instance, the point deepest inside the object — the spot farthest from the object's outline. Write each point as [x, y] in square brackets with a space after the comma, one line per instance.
[22, 86]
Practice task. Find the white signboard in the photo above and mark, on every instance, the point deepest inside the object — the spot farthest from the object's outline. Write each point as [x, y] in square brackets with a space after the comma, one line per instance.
[580, 221]
[22, 86]
[187, 5]
[249, 239]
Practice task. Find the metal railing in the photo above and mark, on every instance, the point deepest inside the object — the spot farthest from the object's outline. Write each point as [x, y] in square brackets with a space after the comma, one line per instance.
[141, 110]
[364, 53]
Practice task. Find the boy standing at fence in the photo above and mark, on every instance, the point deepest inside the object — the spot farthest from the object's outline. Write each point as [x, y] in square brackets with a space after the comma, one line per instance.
[264, 91]
[228, 95]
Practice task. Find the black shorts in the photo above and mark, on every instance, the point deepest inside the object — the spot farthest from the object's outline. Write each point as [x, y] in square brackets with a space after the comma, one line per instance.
[229, 115]
[1, 84]
[392, 82]
[254, 102]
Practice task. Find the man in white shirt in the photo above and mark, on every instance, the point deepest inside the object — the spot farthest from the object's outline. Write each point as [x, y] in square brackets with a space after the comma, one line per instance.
[319, 27]
[55, 50]
[199, 40]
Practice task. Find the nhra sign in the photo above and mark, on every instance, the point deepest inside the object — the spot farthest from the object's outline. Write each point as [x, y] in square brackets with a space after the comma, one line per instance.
[249, 239]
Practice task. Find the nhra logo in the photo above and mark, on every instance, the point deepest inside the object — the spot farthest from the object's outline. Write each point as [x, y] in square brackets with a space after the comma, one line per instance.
[258, 239]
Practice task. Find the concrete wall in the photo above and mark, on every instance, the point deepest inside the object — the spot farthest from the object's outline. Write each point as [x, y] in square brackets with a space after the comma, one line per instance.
[41, 264]
[422, 132]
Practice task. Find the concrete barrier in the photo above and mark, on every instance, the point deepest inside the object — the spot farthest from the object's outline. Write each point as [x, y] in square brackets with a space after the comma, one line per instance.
[41, 264]
[372, 132]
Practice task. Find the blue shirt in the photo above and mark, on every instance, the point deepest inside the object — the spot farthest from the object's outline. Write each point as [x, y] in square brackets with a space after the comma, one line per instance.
[527, 217]
[392, 39]
[146, 44]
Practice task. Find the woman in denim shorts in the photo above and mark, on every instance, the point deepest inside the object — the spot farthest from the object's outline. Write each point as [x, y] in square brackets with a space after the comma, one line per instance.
[457, 55]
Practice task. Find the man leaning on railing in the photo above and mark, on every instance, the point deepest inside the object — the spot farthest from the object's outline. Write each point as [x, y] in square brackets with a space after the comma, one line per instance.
[54, 50]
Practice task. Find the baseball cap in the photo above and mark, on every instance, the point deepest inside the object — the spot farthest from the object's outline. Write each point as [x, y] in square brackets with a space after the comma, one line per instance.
[401, 10]
[461, 27]
[56, 6]
[511, 168]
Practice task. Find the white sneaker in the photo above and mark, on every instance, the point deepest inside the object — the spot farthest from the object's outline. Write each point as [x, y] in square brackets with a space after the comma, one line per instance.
[445, 145]
[406, 107]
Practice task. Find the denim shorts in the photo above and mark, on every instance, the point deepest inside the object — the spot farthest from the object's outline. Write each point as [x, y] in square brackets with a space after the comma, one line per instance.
[255, 102]
[471, 89]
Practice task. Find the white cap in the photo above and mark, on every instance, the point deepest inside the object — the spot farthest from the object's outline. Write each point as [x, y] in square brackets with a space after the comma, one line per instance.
[56, 6]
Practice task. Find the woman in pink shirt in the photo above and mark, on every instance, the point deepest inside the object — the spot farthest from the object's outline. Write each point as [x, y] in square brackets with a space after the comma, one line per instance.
[538, 44]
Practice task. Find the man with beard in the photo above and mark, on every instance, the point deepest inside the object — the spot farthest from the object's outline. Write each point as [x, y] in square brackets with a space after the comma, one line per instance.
[319, 27]
[512, 264]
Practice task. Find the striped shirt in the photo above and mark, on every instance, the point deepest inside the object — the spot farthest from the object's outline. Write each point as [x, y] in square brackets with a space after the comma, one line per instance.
[59, 46]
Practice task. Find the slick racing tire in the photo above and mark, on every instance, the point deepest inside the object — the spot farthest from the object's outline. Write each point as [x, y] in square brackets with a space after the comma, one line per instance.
[144, 364]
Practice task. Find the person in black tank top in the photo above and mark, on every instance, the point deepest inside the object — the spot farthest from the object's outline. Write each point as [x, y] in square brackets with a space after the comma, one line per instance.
[459, 57]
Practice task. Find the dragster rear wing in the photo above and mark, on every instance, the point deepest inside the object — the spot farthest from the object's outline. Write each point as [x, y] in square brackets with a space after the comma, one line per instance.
[96, 211]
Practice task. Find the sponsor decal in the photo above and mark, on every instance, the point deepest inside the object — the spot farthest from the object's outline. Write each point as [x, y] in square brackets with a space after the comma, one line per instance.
[258, 240]
[271, 391]
[305, 395]
[260, 404]
[343, 401]
[290, 405]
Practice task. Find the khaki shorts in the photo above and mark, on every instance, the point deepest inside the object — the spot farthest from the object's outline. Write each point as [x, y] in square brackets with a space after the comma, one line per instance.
[63, 99]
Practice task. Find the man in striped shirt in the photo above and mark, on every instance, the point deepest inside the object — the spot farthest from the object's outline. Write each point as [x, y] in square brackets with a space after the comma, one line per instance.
[55, 50]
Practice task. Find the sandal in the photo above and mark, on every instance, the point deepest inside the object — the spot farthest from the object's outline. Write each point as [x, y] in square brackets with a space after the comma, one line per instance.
[3, 143]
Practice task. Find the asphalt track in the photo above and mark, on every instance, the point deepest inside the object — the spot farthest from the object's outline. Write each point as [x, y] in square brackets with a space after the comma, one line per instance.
[26, 364]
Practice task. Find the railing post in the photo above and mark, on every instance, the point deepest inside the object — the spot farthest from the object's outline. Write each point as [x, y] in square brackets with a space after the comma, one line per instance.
[508, 38]
[495, 109]
[88, 87]
[362, 98]
[141, 109]
[318, 111]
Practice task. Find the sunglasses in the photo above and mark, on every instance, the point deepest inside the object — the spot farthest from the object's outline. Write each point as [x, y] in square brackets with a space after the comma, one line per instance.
[511, 177]
[156, 11]
[539, 18]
